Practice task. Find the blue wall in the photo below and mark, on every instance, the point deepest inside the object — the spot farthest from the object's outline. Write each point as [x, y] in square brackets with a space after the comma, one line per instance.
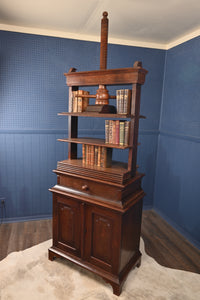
[177, 184]
[33, 91]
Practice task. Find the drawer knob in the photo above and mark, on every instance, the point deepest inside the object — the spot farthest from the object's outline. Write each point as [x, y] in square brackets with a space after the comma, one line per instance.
[85, 187]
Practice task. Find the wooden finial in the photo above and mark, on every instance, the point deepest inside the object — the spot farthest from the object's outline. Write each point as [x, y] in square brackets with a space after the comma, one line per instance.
[137, 64]
[105, 14]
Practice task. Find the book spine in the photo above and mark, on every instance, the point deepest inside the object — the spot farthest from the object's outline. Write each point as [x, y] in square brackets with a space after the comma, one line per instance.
[92, 155]
[117, 132]
[85, 101]
[96, 155]
[87, 155]
[106, 157]
[121, 133]
[110, 131]
[99, 156]
[83, 154]
[127, 101]
[126, 132]
[103, 157]
[121, 102]
[75, 107]
[114, 132]
[117, 100]
[109, 157]
[106, 131]
[80, 101]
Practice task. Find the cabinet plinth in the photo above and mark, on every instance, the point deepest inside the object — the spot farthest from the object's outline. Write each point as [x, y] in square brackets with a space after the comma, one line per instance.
[97, 209]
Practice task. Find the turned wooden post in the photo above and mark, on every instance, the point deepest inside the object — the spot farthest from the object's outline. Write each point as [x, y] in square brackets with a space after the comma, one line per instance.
[102, 96]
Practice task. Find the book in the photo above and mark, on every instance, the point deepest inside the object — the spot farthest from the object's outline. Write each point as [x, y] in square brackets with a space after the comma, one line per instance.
[117, 132]
[127, 101]
[80, 101]
[110, 131]
[106, 131]
[106, 157]
[117, 100]
[83, 154]
[92, 155]
[121, 133]
[99, 156]
[75, 103]
[126, 132]
[96, 155]
[114, 132]
[87, 154]
[121, 102]
[85, 101]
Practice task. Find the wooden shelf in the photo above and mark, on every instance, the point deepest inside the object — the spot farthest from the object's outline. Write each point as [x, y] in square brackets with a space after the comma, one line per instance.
[95, 142]
[99, 115]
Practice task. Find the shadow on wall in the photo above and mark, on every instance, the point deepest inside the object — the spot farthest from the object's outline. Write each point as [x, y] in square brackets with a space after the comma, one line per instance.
[167, 195]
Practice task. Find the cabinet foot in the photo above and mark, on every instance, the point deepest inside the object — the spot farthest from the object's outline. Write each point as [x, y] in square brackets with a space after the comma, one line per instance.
[117, 289]
[51, 255]
[138, 263]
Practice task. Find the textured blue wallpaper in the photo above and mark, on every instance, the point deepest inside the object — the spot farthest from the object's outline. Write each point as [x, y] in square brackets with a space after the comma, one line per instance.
[33, 91]
[177, 188]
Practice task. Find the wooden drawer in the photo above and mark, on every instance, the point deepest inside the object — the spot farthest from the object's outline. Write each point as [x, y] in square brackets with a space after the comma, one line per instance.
[90, 187]
[110, 191]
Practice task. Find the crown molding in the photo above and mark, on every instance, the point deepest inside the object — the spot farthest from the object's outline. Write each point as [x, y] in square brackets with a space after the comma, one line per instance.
[76, 36]
[183, 39]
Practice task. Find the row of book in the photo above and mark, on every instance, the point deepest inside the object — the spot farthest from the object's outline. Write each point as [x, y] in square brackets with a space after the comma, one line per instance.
[123, 101]
[77, 103]
[96, 156]
[117, 132]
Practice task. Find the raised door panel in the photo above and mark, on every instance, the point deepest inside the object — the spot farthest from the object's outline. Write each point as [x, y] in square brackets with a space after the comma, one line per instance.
[102, 240]
[67, 231]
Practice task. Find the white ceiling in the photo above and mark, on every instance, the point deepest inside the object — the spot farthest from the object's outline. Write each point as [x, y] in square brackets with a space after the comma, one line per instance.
[151, 23]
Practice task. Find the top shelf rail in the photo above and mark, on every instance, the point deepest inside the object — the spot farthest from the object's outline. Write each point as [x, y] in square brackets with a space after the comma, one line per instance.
[106, 77]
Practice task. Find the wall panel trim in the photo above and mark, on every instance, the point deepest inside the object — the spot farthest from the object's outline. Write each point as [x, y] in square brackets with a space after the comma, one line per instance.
[191, 138]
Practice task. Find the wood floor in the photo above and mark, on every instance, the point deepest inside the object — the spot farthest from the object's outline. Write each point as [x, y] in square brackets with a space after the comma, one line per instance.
[162, 242]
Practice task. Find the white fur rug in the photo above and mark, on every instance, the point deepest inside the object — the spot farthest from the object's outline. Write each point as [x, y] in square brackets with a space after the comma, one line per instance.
[30, 275]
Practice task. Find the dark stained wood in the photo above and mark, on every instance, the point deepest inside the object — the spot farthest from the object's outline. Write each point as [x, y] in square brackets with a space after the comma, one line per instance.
[117, 173]
[72, 128]
[134, 126]
[107, 77]
[114, 192]
[67, 225]
[131, 227]
[93, 141]
[99, 115]
[95, 224]
[104, 41]
[102, 235]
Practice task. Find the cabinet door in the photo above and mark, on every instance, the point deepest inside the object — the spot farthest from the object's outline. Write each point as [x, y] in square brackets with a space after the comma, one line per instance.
[66, 224]
[102, 239]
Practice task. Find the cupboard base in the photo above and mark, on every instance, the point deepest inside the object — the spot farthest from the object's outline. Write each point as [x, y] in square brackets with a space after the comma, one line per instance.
[116, 281]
